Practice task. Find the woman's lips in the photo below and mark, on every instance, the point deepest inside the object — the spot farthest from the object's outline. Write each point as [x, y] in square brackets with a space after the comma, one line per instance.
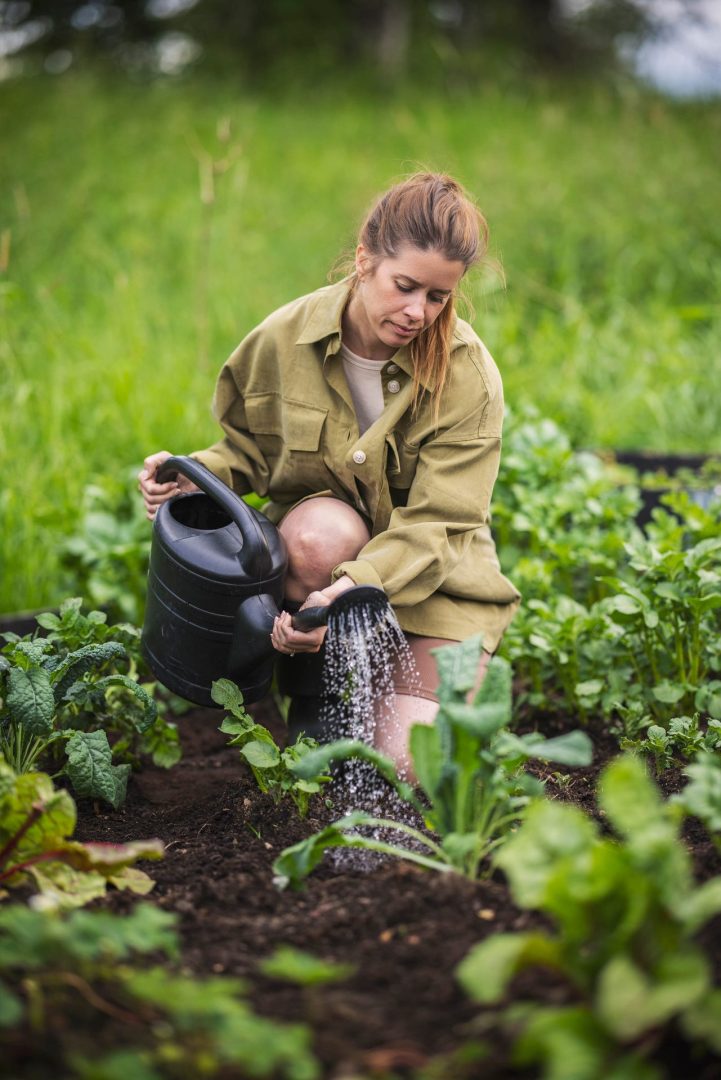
[405, 331]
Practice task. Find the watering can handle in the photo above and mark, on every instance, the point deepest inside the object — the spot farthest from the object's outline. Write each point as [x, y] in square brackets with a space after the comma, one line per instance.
[310, 618]
[256, 555]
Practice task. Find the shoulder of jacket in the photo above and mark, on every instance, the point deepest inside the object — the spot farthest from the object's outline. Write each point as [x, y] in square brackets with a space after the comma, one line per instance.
[471, 360]
[291, 316]
[309, 317]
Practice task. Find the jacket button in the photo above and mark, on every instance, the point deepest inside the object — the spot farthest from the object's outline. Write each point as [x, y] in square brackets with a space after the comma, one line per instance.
[393, 386]
[392, 369]
[359, 457]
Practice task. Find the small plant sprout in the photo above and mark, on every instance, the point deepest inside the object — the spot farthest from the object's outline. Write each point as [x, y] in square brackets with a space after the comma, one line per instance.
[272, 767]
[306, 971]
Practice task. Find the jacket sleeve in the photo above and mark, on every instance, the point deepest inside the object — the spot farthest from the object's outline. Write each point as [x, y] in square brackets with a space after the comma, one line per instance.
[236, 459]
[448, 501]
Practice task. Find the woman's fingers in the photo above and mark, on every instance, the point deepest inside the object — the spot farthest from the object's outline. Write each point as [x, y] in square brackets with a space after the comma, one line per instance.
[154, 494]
[287, 640]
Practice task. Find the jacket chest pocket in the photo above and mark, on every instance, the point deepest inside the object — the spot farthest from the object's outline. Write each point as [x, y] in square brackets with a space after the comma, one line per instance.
[282, 425]
[402, 461]
[288, 434]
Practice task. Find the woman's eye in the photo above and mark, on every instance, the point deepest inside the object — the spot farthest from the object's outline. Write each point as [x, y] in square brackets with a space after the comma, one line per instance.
[437, 299]
[404, 288]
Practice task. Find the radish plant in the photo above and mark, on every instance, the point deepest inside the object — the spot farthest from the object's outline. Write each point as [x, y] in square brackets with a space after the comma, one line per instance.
[473, 787]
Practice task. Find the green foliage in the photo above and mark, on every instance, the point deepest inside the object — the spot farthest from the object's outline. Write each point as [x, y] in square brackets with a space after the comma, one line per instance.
[106, 559]
[183, 1026]
[64, 690]
[647, 651]
[273, 768]
[36, 827]
[701, 797]
[560, 518]
[470, 774]
[682, 740]
[608, 323]
[625, 911]
[302, 968]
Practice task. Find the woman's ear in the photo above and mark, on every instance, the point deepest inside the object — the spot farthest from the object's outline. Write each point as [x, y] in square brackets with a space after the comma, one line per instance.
[363, 262]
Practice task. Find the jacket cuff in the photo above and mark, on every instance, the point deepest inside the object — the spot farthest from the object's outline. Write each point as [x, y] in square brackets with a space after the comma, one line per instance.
[360, 570]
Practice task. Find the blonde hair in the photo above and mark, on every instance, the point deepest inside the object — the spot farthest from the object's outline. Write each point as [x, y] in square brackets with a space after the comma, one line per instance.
[432, 211]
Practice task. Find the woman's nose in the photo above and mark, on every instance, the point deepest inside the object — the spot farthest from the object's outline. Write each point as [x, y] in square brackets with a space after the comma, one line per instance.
[414, 307]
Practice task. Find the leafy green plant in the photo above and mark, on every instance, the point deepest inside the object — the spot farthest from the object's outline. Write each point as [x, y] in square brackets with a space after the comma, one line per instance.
[567, 656]
[625, 911]
[106, 559]
[89, 965]
[701, 796]
[36, 827]
[65, 690]
[669, 615]
[473, 787]
[560, 517]
[681, 740]
[649, 649]
[274, 769]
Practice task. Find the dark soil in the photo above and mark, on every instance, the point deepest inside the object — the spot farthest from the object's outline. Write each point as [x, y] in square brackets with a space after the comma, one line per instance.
[402, 928]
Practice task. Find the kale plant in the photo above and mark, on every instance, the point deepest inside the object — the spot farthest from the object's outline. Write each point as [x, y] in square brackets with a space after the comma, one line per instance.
[65, 691]
[473, 786]
[624, 912]
[647, 652]
[701, 797]
[682, 740]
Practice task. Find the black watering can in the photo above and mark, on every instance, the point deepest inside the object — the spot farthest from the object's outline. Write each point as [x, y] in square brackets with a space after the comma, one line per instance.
[215, 585]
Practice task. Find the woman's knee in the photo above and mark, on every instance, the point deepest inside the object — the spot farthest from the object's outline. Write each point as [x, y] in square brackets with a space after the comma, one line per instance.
[319, 534]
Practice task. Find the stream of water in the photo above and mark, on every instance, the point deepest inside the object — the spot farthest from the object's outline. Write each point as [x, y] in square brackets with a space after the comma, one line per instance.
[363, 647]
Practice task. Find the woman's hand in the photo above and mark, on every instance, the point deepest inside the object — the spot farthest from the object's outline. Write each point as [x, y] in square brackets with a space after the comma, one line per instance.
[287, 640]
[155, 494]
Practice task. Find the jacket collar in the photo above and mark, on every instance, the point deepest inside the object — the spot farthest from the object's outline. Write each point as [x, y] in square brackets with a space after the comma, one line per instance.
[324, 322]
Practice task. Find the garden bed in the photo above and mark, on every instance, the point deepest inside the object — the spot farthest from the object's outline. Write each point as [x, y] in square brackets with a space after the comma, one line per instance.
[403, 929]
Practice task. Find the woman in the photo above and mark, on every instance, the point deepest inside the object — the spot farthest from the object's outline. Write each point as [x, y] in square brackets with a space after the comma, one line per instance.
[370, 416]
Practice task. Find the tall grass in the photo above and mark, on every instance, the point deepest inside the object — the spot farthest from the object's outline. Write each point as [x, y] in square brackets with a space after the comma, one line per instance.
[147, 228]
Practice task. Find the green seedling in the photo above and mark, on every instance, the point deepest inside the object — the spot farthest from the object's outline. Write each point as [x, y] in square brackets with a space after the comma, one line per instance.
[306, 971]
[274, 769]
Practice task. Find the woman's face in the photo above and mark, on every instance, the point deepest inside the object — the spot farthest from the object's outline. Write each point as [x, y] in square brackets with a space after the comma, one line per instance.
[396, 298]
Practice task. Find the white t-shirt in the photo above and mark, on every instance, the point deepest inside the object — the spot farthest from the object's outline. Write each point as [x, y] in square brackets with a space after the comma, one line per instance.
[366, 387]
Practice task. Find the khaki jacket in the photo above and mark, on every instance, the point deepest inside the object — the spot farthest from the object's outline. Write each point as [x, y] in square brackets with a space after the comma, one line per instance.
[291, 432]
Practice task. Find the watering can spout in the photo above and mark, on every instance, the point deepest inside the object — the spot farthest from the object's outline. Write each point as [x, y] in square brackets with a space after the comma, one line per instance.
[251, 631]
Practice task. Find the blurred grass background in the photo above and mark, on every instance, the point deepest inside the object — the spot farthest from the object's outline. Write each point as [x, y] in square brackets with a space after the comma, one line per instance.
[145, 228]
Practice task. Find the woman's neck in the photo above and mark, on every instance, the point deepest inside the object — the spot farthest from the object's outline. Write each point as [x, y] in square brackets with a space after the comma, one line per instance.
[359, 337]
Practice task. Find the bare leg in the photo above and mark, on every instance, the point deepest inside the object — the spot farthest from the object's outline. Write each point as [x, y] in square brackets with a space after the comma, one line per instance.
[319, 534]
[397, 715]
